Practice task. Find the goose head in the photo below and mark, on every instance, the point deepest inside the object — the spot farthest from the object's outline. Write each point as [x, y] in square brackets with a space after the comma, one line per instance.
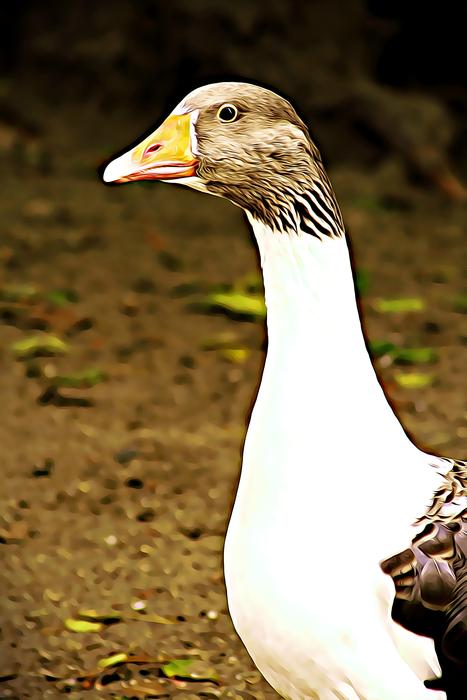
[234, 140]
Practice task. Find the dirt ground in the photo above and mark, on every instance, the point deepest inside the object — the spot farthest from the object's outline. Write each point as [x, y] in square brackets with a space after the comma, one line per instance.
[116, 497]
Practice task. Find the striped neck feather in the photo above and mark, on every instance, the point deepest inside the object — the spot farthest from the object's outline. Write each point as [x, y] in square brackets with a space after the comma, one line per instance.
[313, 211]
[304, 206]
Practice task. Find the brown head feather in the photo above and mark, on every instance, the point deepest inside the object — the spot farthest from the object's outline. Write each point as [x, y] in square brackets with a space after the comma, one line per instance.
[264, 161]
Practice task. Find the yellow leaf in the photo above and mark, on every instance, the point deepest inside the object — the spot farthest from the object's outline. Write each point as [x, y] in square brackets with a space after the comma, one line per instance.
[82, 625]
[398, 306]
[235, 355]
[113, 660]
[237, 303]
[39, 346]
[414, 380]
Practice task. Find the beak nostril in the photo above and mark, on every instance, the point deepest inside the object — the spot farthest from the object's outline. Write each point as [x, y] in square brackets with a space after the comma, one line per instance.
[152, 148]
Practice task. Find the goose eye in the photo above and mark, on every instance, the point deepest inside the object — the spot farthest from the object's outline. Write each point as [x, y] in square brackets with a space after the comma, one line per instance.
[227, 113]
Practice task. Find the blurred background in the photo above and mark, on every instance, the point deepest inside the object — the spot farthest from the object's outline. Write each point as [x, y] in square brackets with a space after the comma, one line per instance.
[125, 385]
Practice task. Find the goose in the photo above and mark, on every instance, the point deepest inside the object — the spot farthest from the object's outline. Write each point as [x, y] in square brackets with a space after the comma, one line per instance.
[333, 496]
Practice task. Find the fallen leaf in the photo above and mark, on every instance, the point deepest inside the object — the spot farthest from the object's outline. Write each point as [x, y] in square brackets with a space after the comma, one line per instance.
[362, 281]
[413, 380]
[79, 380]
[45, 345]
[460, 303]
[61, 297]
[397, 306]
[235, 355]
[378, 348]
[112, 660]
[240, 304]
[410, 356]
[177, 668]
[190, 669]
[82, 625]
[402, 356]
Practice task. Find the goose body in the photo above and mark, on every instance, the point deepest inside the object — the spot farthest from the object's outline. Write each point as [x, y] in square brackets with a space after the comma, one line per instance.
[303, 588]
[330, 486]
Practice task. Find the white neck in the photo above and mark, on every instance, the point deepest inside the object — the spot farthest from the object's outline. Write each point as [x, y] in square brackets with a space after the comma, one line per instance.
[305, 276]
[316, 350]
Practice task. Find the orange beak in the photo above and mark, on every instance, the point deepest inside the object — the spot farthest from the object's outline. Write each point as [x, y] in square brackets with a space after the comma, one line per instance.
[164, 155]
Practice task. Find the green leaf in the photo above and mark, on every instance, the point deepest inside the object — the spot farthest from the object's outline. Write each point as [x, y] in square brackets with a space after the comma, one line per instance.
[414, 380]
[79, 380]
[61, 297]
[82, 625]
[362, 281]
[235, 302]
[402, 356]
[460, 303]
[39, 346]
[177, 668]
[397, 306]
[411, 356]
[113, 660]
[378, 348]
[190, 669]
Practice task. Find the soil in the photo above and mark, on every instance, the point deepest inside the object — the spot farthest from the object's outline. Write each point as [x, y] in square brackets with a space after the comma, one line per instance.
[116, 497]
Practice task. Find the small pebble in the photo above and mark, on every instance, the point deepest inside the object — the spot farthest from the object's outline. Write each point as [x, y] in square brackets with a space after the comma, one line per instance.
[130, 304]
[126, 455]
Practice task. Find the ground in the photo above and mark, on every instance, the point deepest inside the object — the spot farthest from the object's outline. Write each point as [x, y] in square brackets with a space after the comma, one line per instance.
[116, 497]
